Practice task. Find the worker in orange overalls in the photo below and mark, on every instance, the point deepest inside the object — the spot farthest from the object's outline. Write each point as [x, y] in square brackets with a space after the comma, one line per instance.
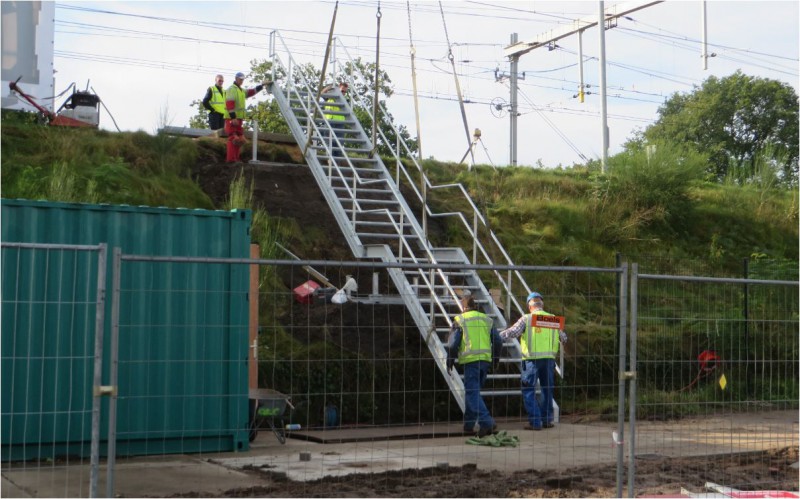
[235, 97]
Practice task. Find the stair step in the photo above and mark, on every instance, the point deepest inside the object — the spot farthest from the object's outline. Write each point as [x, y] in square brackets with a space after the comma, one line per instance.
[444, 260]
[386, 236]
[500, 393]
[349, 125]
[454, 273]
[500, 376]
[345, 168]
[442, 286]
[381, 224]
[313, 93]
[392, 202]
[363, 190]
[395, 215]
[344, 175]
[321, 147]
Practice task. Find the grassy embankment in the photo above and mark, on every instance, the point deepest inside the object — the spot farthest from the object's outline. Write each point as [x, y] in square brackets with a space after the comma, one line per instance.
[649, 211]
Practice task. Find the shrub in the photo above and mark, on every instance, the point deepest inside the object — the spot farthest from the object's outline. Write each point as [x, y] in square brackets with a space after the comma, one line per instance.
[645, 186]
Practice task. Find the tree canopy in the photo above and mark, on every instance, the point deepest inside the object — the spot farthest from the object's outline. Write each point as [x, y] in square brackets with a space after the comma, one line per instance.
[740, 122]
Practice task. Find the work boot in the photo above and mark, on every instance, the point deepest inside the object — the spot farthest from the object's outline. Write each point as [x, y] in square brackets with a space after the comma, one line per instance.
[548, 425]
[533, 428]
[484, 431]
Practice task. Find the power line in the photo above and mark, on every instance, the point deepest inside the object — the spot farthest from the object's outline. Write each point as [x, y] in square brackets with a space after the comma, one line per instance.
[711, 44]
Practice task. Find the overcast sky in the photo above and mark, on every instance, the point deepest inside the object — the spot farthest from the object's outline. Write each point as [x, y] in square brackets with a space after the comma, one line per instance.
[149, 60]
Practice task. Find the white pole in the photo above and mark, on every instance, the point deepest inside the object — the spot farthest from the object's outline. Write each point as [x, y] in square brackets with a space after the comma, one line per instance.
[603, 106]
[704, 28]
[580, 66]
[512, 111]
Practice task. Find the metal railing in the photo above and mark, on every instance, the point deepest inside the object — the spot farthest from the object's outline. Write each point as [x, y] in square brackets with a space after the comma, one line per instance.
[478, 220]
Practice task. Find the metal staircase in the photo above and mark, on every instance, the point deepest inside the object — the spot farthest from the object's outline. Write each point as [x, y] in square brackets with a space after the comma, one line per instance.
[376, 219]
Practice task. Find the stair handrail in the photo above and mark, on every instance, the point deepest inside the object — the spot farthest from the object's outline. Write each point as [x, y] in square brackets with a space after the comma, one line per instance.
[357, 207]
[317, 110]
[477, 215]
[422, 273]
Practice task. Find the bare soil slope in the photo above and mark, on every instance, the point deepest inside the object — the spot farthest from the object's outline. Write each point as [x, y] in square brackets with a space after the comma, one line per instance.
[769, 470]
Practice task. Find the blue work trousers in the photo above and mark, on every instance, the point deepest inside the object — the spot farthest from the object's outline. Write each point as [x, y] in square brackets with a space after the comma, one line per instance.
[475, 409]
[544, 371]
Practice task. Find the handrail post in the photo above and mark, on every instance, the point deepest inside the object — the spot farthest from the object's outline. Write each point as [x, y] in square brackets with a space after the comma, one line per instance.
[255, 142]
[508, 299]
[424, 205]
[272, 52]
[474, 237]
[355, 197]
[402, 233]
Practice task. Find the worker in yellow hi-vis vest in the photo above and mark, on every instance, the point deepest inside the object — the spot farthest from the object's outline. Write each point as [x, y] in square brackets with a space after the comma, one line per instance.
[475, 342]
[539, 348]
[214, 102]
[335, 123]
[235, 98]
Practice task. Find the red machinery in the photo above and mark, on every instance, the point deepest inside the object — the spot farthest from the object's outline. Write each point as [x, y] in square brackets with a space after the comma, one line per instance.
[82, 108]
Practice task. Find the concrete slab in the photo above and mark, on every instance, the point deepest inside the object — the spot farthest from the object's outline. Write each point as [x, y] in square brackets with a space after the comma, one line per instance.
[137, 477]
[565, 446]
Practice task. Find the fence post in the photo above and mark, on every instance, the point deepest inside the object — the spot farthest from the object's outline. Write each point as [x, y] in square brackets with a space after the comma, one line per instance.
[746, 313]
[99, 325]
[114, 357]
[632, 378]
[623, 317]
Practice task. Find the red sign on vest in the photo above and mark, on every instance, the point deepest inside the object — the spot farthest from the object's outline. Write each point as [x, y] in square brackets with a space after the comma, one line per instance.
[548, 321]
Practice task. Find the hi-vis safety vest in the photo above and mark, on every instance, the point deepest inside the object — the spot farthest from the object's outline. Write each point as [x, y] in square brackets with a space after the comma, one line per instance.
[238, 96]
[476, 341]
[333, 117]
[217, 101]
[538, 342]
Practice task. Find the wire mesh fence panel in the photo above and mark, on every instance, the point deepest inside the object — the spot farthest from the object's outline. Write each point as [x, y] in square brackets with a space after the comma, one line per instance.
[50, 308]
[717, 374]
[351, 393]
[362, 380]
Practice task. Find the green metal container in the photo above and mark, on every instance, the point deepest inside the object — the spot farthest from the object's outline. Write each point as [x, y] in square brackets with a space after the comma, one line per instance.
[183, 330]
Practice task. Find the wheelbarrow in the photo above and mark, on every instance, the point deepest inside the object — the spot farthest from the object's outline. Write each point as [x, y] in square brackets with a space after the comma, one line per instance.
[268, 407]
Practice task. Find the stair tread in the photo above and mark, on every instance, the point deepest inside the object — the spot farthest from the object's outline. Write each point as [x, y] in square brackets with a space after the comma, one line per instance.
[381, 224]
[363, 190]
[370, 201]
[386, 236]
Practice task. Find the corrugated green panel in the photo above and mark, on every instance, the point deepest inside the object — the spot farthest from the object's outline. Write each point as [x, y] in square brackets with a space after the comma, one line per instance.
[183, 329]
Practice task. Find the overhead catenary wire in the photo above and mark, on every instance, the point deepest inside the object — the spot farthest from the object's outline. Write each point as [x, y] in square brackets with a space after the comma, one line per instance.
[553, 126]
[458, 86]
[195, 39]
[467, 70]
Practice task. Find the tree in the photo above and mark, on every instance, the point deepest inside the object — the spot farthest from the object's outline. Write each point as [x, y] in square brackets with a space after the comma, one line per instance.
[363, 104]
[199, 120]
[736, 121]
[270, 119]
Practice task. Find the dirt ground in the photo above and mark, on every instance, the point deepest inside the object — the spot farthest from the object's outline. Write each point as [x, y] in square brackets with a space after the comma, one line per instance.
[769, 470]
